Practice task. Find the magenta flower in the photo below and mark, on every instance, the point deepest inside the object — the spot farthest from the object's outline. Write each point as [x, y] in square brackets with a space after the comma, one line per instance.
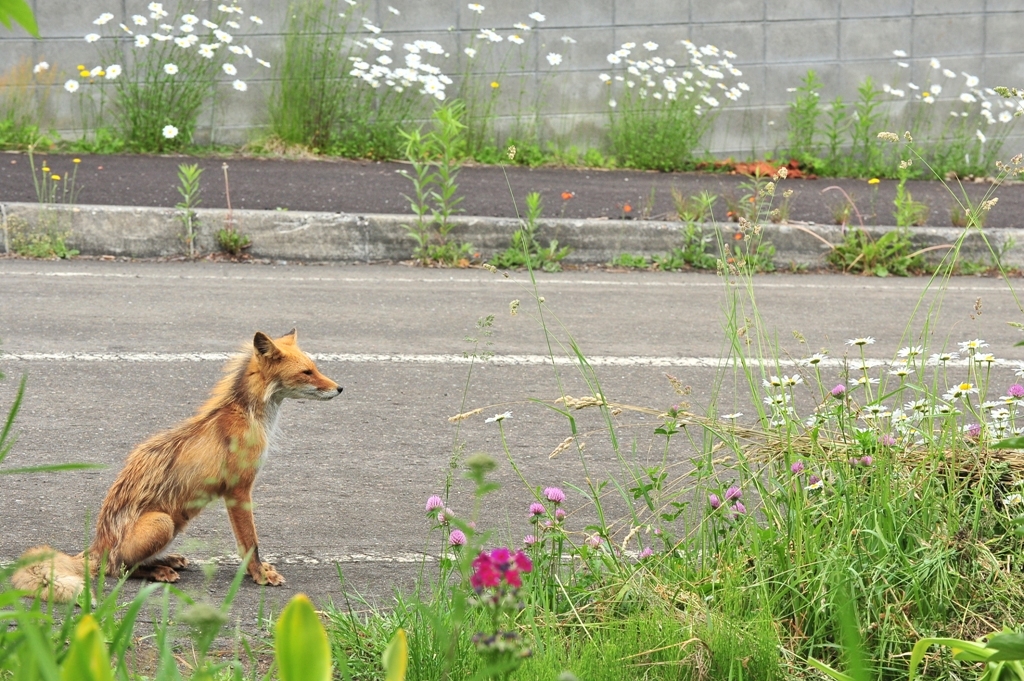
[433, 503]
[715, 502]
[838, 391]
[537, 508]
[646, 553]
[500, 565]
[529, 540]
[443, 516]
[1016, 390]
[867, 460]
[594, 540]
[974, 430]
[733, 493]
[739, 508]
[813, 480]
[559, 514]
[554, 495]
[457, 538]
[887, 440]
[797, 468]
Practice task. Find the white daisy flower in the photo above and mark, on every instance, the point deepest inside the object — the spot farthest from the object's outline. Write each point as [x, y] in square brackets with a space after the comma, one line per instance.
[1005, 116]
[470, 52]
[255, 19]
[209, 24]
[40, 67]
[190, 20]
[934, 63]
[514, 38]
[935, 89]
[554, 58]
[233, 24]
[206, 51]
[972, 81]
[71, 86]
[981, 136]
[498, 417]
[170, 69]
[222, 36]
[393, 10]
[113, 71]
[861, 342]
[103, 18]
[614, 59]
[240, 85]
[537, 16]
[651, 46]
[948, 74]
[170, 132]
[263, 63]
[92, 37]
[568, 40]
[141, 40]
[139, 20]
[476, 7]
[899, 53]
[972, 346]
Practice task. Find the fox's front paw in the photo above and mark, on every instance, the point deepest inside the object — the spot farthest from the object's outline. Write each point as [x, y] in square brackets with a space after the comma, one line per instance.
[267, 575]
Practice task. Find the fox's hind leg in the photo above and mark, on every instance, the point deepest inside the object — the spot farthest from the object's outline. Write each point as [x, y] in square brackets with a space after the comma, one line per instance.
[175, 561]
[146, 539]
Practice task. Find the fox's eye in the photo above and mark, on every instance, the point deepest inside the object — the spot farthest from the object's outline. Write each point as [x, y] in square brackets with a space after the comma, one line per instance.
[308, 372]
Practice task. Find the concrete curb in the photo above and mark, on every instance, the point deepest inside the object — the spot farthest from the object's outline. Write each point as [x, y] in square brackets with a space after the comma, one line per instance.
[142, 232]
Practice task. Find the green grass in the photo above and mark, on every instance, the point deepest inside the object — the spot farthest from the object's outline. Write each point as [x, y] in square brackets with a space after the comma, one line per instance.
[839, 525]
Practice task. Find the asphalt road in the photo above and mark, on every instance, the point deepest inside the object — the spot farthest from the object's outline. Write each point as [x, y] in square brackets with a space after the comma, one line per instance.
[116, 351]
[338, 185]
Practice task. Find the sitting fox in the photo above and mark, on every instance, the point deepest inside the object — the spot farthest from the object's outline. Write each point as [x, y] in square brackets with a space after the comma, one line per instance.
[169, 478]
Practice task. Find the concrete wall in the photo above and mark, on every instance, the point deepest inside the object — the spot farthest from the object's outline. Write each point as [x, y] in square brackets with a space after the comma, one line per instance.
[775, 42]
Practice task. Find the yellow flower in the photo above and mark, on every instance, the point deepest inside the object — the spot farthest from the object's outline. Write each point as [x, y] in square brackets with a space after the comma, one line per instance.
[76, 160]
[46, 169]
[81, 67]
[83, 73]
[494, 85]
[103, 73]
[874, 180]
[54, 177]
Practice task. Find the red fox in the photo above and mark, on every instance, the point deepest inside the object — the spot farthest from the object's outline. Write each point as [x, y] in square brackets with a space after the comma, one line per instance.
[169, 478]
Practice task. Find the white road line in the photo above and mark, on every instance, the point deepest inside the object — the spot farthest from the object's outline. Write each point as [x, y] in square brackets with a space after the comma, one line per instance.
[499, 360]
[327, 559]
[303, 559]
[655, 282]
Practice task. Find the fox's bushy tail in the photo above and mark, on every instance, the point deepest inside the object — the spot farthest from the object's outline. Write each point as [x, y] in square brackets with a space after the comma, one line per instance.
[51, 574]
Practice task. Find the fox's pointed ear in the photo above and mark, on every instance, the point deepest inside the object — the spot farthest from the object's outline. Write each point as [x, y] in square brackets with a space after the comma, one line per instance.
[264, 346]
[294, 334]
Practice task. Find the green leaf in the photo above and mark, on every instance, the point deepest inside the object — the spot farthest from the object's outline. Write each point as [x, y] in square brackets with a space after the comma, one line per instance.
[396, 657]
[962, 650]
[87, 658]
[828, 671]
[300, 643]
[21, 13]
[1008, 646]
[1010, 443]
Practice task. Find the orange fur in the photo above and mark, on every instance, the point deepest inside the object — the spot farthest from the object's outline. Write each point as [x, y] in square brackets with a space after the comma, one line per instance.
[168, 479]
